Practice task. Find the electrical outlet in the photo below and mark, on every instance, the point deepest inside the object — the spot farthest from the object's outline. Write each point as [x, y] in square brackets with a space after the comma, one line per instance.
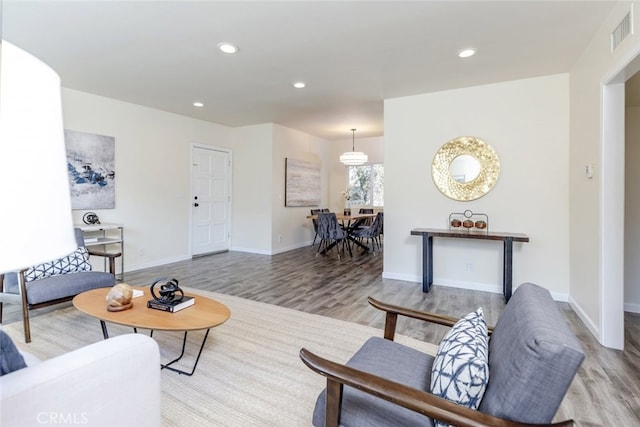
[141, 251]
[468, 266]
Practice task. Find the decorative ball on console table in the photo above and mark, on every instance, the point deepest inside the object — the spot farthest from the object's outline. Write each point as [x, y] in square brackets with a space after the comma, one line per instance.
[119, 297]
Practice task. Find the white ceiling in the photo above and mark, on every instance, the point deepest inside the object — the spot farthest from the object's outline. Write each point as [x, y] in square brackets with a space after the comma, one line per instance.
[352, 55]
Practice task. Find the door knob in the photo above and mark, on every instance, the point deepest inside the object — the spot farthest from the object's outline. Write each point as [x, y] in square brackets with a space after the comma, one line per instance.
[196, 205]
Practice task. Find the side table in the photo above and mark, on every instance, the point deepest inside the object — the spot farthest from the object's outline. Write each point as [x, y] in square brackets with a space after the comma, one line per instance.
[507, 264]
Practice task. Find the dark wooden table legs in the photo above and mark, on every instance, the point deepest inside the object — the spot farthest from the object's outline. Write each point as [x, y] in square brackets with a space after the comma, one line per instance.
[507, 260]
[507, 265]
[427, 262]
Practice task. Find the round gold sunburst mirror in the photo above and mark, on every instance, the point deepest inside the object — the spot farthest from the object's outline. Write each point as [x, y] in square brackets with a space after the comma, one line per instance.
[465, 168]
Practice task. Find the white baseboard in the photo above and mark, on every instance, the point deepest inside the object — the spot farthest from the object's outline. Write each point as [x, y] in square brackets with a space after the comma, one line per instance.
[631, 307]
[250, 250]
[483, 287]
[155, 263]
[445, 282]
[591, 326]
[271, 252]
[401, 276]
[557, 296]
[292, 247]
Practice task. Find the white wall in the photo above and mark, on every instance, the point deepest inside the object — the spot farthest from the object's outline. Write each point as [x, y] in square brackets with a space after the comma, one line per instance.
[526, 122]
[153, 178]
[589, 240]
[152, 172]
[632, 211]
[290, 227]
[261, 222]
[252, 188]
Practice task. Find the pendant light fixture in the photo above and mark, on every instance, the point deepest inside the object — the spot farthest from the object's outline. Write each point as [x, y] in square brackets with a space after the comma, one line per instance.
[353, 157]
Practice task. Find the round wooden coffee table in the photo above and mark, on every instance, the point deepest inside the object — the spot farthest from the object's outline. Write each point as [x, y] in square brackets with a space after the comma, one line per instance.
[205, 313]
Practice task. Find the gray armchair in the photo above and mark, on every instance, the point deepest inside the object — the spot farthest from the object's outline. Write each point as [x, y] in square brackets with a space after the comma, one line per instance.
[532, 359]
[33, 294]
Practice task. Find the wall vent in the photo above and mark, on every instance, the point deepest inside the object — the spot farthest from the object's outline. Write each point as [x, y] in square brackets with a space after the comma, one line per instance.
[622, 31]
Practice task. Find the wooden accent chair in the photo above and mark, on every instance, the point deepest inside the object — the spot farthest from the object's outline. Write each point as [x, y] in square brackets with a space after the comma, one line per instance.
[55, 289]
[532, 359]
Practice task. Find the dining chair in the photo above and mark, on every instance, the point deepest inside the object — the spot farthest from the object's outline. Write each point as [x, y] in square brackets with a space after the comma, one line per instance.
[315, 223]
[372, 232]
[364, 222]
[331, 234]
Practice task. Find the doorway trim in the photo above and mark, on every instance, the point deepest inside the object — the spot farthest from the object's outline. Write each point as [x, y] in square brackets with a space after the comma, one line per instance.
[612, 199]
[612, 217]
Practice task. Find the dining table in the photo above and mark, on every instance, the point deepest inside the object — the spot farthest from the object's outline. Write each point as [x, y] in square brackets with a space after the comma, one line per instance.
[349, 223]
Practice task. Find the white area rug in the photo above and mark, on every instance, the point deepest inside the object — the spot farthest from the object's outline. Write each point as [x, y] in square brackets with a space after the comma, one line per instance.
[249, 373]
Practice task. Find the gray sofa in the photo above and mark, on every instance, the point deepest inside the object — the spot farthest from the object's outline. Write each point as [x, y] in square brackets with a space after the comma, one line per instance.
[115, 382]
[533, 357]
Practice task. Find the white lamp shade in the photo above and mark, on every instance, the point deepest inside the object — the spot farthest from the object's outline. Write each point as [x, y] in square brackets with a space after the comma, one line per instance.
[35, 219]
[354, 158]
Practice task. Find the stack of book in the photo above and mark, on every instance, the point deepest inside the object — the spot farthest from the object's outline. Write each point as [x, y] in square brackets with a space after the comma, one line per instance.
[171, 306]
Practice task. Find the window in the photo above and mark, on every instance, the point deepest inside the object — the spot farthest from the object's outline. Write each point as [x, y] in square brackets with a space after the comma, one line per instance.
[366, 184]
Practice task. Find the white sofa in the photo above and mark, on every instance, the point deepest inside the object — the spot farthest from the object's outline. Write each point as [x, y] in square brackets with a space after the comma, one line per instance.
[115, 382]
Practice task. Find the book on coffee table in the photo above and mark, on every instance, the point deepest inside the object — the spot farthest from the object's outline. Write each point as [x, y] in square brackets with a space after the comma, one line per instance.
[171, 306]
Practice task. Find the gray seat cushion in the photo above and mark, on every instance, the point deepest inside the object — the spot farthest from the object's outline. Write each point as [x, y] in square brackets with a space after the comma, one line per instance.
[390, 360]
[533, 357]
[63, 286]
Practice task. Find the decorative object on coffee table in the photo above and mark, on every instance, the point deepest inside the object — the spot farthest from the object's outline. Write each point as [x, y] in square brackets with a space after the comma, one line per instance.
[169, 296]
[119, 297]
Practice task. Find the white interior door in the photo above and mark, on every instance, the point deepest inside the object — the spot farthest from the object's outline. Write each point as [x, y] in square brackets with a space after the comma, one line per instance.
[211, 200]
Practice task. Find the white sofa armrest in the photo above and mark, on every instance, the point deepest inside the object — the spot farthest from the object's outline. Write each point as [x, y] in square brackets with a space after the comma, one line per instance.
[108, 383]
[30, 359]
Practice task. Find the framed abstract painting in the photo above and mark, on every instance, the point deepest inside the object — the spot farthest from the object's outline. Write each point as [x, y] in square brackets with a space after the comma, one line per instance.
[302, 183]
[91, 167]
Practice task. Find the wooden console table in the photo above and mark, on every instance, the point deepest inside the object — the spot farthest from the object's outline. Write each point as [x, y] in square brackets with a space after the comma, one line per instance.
[427, 252]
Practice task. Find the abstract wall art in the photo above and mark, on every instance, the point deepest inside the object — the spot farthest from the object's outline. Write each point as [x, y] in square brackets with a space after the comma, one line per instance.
[302, 183]
[91, 167]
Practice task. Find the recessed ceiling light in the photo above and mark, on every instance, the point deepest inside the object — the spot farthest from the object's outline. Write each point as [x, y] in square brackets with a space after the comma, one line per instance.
[299, 85]
[228, 47]
[198, 104]
[465, 53]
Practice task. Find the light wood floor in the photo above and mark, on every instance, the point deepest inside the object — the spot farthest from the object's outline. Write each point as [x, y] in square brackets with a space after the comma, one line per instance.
[606, 391]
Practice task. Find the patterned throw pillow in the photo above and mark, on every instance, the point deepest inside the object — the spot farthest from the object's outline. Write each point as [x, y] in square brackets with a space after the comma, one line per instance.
[74, 262]
[460, 370]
